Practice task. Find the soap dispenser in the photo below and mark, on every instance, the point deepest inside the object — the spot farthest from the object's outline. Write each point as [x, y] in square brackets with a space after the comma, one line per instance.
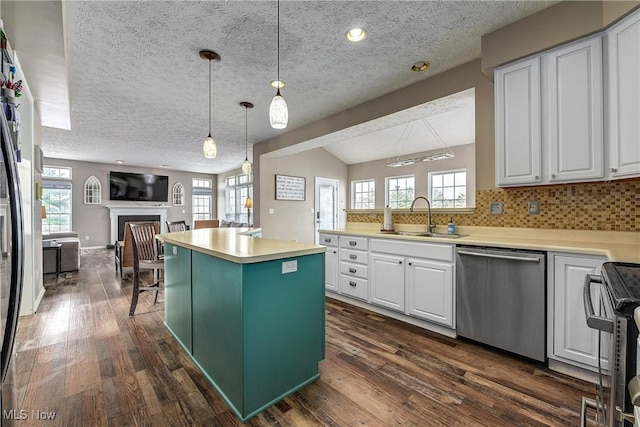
[451, 227]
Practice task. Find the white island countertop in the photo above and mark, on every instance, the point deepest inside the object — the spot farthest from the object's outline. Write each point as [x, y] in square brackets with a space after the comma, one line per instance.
[623, 246]
[235, 245]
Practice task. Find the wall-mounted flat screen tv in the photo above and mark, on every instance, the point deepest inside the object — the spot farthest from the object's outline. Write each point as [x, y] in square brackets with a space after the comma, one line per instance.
[142, 187]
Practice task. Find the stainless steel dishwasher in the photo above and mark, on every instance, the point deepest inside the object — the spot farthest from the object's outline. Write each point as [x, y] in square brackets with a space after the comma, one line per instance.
[500, 299]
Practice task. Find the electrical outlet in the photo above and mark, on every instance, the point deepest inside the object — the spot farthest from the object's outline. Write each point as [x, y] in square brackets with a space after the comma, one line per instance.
[289, 266]
[86, 237]
[533, 208]
[272, 211]
[496, 208]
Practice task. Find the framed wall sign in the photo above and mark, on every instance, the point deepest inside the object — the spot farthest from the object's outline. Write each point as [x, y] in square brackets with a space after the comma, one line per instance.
[290, 187]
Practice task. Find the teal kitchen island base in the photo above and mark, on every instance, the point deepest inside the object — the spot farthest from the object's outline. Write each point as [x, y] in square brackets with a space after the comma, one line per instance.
[255, 329]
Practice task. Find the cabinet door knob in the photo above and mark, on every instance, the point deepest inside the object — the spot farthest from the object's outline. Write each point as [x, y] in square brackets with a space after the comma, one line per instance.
[613, 170]
[352, 256]
[410, 263]
[553, 175]
[354, 284]
[399, 262]
[536, 177]
[352, 270]
[335, 252]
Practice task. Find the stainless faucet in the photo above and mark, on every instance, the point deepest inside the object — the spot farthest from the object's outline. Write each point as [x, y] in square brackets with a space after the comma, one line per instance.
[430, 226]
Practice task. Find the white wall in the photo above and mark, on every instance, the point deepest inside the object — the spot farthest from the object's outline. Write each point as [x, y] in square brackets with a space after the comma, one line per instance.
[295, 220]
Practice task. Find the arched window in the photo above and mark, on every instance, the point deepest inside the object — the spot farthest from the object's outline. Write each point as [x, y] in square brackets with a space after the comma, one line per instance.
[92, 191]
[178, 194]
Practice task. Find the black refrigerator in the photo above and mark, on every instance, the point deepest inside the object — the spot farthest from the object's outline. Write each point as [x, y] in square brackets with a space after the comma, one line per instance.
[11, 268]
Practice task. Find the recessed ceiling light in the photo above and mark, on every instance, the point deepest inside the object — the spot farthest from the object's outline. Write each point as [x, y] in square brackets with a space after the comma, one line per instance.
[119, 162]
[278, 84]
[420, 66]
[356, 34]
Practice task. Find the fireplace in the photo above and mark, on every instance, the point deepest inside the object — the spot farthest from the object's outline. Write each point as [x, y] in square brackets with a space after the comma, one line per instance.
[121, 214]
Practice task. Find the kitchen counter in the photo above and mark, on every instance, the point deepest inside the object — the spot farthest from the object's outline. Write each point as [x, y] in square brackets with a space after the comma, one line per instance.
[236, 245]
[615, 245]
[249, 311]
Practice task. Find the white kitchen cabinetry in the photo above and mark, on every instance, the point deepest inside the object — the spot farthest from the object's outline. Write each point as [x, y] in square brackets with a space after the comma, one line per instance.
[623, 106]
[387, 281]
[574, 111]
[572, 341]
[354, 267]
[331, 262]
[551, 104]
[518, 127]
[429, 290]
[415, 278]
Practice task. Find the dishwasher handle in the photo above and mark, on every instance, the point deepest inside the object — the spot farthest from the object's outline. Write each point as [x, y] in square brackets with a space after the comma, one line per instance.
[509, 257]
[594, 322]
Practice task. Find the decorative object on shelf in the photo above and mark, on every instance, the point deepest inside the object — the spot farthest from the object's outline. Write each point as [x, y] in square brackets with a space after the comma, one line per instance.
[43, 212]
[246, 165]
[278, 111]
[290, 187]
[209, 146]
[248, 203]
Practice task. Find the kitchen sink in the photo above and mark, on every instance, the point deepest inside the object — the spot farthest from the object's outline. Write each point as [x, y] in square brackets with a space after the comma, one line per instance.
[425, 234]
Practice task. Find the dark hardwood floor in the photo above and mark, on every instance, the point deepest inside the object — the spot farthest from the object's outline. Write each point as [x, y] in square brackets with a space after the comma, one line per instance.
[82, 357]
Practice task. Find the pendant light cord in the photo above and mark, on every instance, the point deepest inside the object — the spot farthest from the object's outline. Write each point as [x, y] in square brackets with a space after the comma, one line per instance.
[278, 45]
[246, 152]
[209, 96]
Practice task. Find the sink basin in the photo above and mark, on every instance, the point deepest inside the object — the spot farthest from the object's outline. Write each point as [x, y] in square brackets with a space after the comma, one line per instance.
[426, 234]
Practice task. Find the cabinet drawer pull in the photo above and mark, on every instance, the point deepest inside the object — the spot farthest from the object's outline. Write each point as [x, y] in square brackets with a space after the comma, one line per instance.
[354, 284]
[327, 240]
[352, 270]
[352, 242]
[352, 256]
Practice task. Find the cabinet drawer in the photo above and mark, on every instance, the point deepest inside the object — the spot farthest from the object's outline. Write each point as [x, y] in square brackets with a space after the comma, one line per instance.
[328, 240]
[354, 287]
[433, 251]
[348, 255]
[351, 242]
[356, 270]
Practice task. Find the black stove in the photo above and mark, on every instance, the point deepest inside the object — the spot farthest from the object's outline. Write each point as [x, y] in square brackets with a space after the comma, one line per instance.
[622, 281]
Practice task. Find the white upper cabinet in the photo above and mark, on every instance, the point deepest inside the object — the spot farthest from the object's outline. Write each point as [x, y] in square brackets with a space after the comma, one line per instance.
[518, 131]
[623, 106]
[574, 111]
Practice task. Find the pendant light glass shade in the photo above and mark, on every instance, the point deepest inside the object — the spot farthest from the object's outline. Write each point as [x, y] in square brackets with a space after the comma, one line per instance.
[209, 148]
[246, 165]
[278, 112]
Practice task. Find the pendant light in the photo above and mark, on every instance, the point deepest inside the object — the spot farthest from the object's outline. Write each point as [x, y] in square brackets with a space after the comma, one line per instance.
[278, 111]
[209, 147]
[246, 165]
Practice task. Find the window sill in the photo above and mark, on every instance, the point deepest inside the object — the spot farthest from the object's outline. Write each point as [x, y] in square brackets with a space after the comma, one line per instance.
[447, 211]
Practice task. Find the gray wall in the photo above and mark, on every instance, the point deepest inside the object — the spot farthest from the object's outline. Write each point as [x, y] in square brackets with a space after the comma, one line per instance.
[92, 221]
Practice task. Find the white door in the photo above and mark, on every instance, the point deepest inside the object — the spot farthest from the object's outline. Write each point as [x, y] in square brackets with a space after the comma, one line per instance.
[326, 210]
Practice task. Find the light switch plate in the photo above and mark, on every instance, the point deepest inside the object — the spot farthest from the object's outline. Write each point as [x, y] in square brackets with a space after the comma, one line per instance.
[175, 250]
[289, 266]
[533, 208]
[496, 208]
[271, 211]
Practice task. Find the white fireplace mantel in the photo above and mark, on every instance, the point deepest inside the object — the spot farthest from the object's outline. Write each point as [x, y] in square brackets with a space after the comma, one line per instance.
[116, 211]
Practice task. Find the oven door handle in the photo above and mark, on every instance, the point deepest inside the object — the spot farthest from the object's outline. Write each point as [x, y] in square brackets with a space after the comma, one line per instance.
[594, 322]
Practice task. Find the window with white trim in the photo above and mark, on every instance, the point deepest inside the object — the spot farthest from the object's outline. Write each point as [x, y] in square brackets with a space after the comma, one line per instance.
[56, 198]
[238, 188]
[400, 191]
[92, 191]
[177, 194]
[448, 189]
[363, 194]
[201, 198]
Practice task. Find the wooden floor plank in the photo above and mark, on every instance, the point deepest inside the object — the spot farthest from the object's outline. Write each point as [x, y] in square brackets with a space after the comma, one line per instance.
[82, 356]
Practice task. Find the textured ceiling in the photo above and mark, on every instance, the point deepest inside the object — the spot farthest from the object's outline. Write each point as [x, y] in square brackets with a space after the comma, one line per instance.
[138, 89]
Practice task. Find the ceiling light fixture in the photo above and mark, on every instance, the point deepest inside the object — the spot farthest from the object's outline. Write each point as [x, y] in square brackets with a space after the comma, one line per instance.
[246, 165]
[420, 66]
[356, 34]
[278, 111]
[209, 147]
[446, 152]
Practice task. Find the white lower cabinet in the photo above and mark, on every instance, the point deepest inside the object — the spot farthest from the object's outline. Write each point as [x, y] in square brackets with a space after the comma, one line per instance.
[413, 278]
[430, 290]
[331, 262]
[387, 281]
[572, 341]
